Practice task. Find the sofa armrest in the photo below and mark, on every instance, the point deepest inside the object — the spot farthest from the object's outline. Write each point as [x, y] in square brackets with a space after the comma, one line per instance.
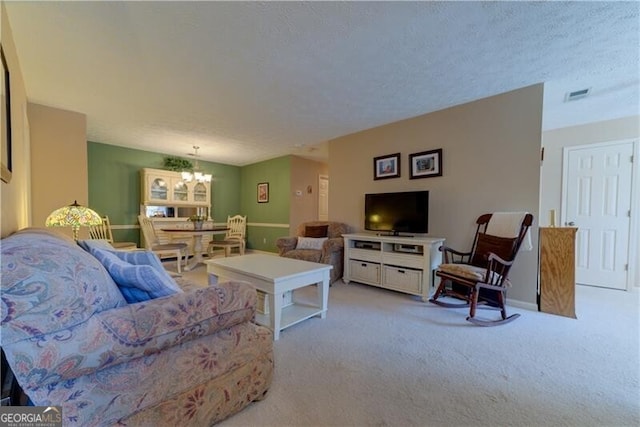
[286, 244]
[332, 245]
[137, 330]
[329, 247]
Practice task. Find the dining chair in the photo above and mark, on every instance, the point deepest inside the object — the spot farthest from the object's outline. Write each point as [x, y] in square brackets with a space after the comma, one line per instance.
[234, 238]
[179, 250]
[103, 232]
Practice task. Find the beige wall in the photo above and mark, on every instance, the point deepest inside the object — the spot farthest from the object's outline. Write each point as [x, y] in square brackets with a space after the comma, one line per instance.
[304, 174]
[15, 195]
[551, 173]
[491, 153]
[59, 172]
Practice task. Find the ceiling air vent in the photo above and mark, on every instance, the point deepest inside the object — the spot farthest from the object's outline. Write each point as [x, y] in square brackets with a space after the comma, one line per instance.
[577, 94]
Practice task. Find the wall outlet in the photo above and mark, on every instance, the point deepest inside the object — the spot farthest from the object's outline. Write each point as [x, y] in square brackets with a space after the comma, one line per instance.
[264, 240]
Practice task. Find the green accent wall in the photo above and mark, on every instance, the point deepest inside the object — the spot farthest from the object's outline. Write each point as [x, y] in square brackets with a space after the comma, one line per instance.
[277, 172]
[114, 185]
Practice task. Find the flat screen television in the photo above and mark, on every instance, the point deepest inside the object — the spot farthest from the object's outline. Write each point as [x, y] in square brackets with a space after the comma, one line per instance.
[394, 213]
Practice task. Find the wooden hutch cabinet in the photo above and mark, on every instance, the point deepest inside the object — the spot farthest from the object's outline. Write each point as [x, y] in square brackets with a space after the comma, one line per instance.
[161, 187]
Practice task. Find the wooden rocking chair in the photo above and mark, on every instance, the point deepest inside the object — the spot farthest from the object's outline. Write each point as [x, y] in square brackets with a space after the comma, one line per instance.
[480, 277]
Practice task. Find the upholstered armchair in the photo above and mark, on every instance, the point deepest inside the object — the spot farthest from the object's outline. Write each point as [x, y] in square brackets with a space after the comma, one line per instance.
[72, 337]
[317, 241]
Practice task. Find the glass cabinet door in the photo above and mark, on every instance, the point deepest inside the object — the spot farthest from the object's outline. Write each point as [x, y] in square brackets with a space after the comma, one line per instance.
[180, 192]
[200, 192]
[159, 189]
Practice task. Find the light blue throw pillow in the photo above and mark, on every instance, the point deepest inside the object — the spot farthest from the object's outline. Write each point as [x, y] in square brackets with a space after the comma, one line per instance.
[90, 244]
[137, 257]
[136, 282]
[140, 258]
[147, 258]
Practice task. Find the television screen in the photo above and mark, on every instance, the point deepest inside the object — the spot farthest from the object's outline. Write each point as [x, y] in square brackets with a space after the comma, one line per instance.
[405, 212]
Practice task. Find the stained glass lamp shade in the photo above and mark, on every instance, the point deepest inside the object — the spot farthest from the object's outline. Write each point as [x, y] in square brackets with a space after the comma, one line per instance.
[74, 216]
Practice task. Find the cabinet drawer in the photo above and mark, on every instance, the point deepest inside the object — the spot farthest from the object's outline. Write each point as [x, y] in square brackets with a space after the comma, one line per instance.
[402, 278]
[365, 254]
[404, 260]
[364, 271]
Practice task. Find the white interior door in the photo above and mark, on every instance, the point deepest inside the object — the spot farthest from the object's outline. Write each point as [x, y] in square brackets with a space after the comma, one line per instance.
[323, 198]
[597, 200]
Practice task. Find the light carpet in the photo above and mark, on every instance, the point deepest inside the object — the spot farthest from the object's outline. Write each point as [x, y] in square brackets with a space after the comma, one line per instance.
[383, 358]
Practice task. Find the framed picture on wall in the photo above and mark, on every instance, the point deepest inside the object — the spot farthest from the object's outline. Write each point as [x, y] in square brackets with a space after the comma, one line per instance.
[263, 192]
[426, 164]
[6, 165]
[386, 166]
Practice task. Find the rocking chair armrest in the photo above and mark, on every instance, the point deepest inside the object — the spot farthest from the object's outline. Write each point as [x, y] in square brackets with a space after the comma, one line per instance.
[497, 271]
[494, 257]
[482, 285]
[450, 252]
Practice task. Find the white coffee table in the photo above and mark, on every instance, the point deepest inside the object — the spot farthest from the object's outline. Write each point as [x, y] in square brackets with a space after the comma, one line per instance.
[274, 276]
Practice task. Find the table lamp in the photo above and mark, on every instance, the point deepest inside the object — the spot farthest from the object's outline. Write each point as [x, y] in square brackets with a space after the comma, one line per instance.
[74, 216]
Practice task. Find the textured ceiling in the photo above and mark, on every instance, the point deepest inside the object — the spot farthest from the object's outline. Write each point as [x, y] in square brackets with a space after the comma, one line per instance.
[249, 81]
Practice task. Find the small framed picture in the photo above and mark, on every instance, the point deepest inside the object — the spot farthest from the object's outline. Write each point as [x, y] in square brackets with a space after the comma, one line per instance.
[386, 166]
[6, 165]
[426, 164]
[263, 192]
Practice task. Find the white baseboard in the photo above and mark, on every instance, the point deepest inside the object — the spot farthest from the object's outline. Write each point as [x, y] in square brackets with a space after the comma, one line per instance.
[522, 304]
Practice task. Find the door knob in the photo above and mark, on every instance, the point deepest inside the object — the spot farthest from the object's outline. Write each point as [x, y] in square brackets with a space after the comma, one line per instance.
[570, 223]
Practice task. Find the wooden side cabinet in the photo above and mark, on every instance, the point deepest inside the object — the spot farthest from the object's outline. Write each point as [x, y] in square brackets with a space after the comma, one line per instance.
[558, 270]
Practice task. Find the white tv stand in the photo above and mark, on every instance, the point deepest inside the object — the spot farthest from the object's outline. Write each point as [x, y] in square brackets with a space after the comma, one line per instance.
[404, 264]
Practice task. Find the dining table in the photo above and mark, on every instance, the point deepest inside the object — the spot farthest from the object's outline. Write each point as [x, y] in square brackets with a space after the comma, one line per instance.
[196, 236]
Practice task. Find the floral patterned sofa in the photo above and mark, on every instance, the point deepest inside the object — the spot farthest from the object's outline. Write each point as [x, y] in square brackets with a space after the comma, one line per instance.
[329, 249]
[192, 358]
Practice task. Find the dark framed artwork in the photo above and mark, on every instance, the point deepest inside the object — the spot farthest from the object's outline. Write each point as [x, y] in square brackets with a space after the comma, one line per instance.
[6, 163]
[263, 192]
[425, 164]
[385, 167]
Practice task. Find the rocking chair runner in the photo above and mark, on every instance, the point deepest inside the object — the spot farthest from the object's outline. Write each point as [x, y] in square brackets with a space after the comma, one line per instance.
[481, 276]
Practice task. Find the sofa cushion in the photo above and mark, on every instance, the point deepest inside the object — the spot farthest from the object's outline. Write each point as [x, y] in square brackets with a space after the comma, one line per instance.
[137, 282]
[314, 243]
[316, 230]
[304, 254]
[44, 273]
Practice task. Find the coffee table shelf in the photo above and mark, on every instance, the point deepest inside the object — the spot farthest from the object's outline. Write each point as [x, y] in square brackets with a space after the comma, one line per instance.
[291, 315]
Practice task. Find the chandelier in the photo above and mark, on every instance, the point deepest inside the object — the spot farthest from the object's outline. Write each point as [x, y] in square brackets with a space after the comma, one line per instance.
[196, 174]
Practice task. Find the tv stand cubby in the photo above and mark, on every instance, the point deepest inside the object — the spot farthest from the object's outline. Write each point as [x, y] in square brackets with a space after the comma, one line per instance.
[404, 264]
